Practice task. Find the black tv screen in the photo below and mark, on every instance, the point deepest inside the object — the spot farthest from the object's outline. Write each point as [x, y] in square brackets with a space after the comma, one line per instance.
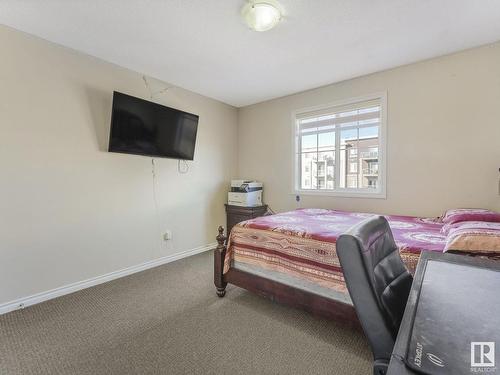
[142, 127]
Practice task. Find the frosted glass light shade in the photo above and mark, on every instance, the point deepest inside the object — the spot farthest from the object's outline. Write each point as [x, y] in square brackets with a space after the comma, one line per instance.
[261, 16]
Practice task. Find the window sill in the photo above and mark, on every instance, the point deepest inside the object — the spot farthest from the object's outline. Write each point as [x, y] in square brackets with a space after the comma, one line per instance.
[342, 194]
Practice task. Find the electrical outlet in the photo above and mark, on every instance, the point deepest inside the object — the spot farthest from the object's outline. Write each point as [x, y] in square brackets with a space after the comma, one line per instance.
[168, 235]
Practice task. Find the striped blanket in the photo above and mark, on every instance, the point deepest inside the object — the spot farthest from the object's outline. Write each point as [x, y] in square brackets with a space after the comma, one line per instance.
[301, 243]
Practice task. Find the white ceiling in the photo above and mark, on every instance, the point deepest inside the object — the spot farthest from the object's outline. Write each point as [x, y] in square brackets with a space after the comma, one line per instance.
[204, 46]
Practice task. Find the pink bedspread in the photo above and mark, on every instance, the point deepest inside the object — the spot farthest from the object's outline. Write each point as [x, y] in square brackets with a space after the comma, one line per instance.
[301, 243]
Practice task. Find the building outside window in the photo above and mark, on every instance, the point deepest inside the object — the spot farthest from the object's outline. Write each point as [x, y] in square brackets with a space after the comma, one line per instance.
[340, 149]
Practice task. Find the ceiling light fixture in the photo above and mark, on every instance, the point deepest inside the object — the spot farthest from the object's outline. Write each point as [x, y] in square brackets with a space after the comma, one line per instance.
[261, 15]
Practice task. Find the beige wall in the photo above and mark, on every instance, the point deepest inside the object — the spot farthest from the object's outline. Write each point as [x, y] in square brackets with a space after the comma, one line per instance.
[69, 210]
[443, 139]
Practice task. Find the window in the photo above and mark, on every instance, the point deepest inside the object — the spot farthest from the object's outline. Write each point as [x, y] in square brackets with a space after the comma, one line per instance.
[339, 149]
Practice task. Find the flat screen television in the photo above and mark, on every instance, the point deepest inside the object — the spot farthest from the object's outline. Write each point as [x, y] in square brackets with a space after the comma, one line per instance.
[142, 127]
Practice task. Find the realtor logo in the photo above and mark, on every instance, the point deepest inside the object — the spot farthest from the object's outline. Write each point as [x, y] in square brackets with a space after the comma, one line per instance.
[482, 354]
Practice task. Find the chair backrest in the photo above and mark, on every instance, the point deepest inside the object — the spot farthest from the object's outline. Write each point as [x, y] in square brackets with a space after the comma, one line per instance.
[377, 280]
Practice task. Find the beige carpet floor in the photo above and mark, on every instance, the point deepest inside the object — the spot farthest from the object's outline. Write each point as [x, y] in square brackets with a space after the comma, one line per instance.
[168, 320]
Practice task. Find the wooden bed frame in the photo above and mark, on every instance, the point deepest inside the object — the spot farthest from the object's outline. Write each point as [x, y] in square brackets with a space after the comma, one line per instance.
[279, 292]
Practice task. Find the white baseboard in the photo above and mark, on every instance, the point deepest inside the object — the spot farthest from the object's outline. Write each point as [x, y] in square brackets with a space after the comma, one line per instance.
[23, 302]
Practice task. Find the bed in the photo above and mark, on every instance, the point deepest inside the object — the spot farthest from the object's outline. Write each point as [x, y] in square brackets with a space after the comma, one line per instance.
[291, 257]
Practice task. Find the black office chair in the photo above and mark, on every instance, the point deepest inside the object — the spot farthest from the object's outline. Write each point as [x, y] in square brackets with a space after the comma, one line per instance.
[378, 282]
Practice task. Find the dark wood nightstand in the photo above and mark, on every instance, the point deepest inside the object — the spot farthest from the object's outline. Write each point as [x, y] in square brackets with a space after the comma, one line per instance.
[237, 214]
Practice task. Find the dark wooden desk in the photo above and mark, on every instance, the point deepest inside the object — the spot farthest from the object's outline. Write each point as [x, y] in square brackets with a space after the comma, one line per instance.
[397, 366]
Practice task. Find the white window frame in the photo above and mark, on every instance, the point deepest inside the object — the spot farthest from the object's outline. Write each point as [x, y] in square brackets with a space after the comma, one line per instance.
[381, 191]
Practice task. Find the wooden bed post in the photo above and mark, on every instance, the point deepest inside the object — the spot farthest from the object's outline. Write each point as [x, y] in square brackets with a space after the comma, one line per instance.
[219, 256]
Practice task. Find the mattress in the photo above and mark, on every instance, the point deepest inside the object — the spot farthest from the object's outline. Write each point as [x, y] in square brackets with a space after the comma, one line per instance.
[298, 247]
